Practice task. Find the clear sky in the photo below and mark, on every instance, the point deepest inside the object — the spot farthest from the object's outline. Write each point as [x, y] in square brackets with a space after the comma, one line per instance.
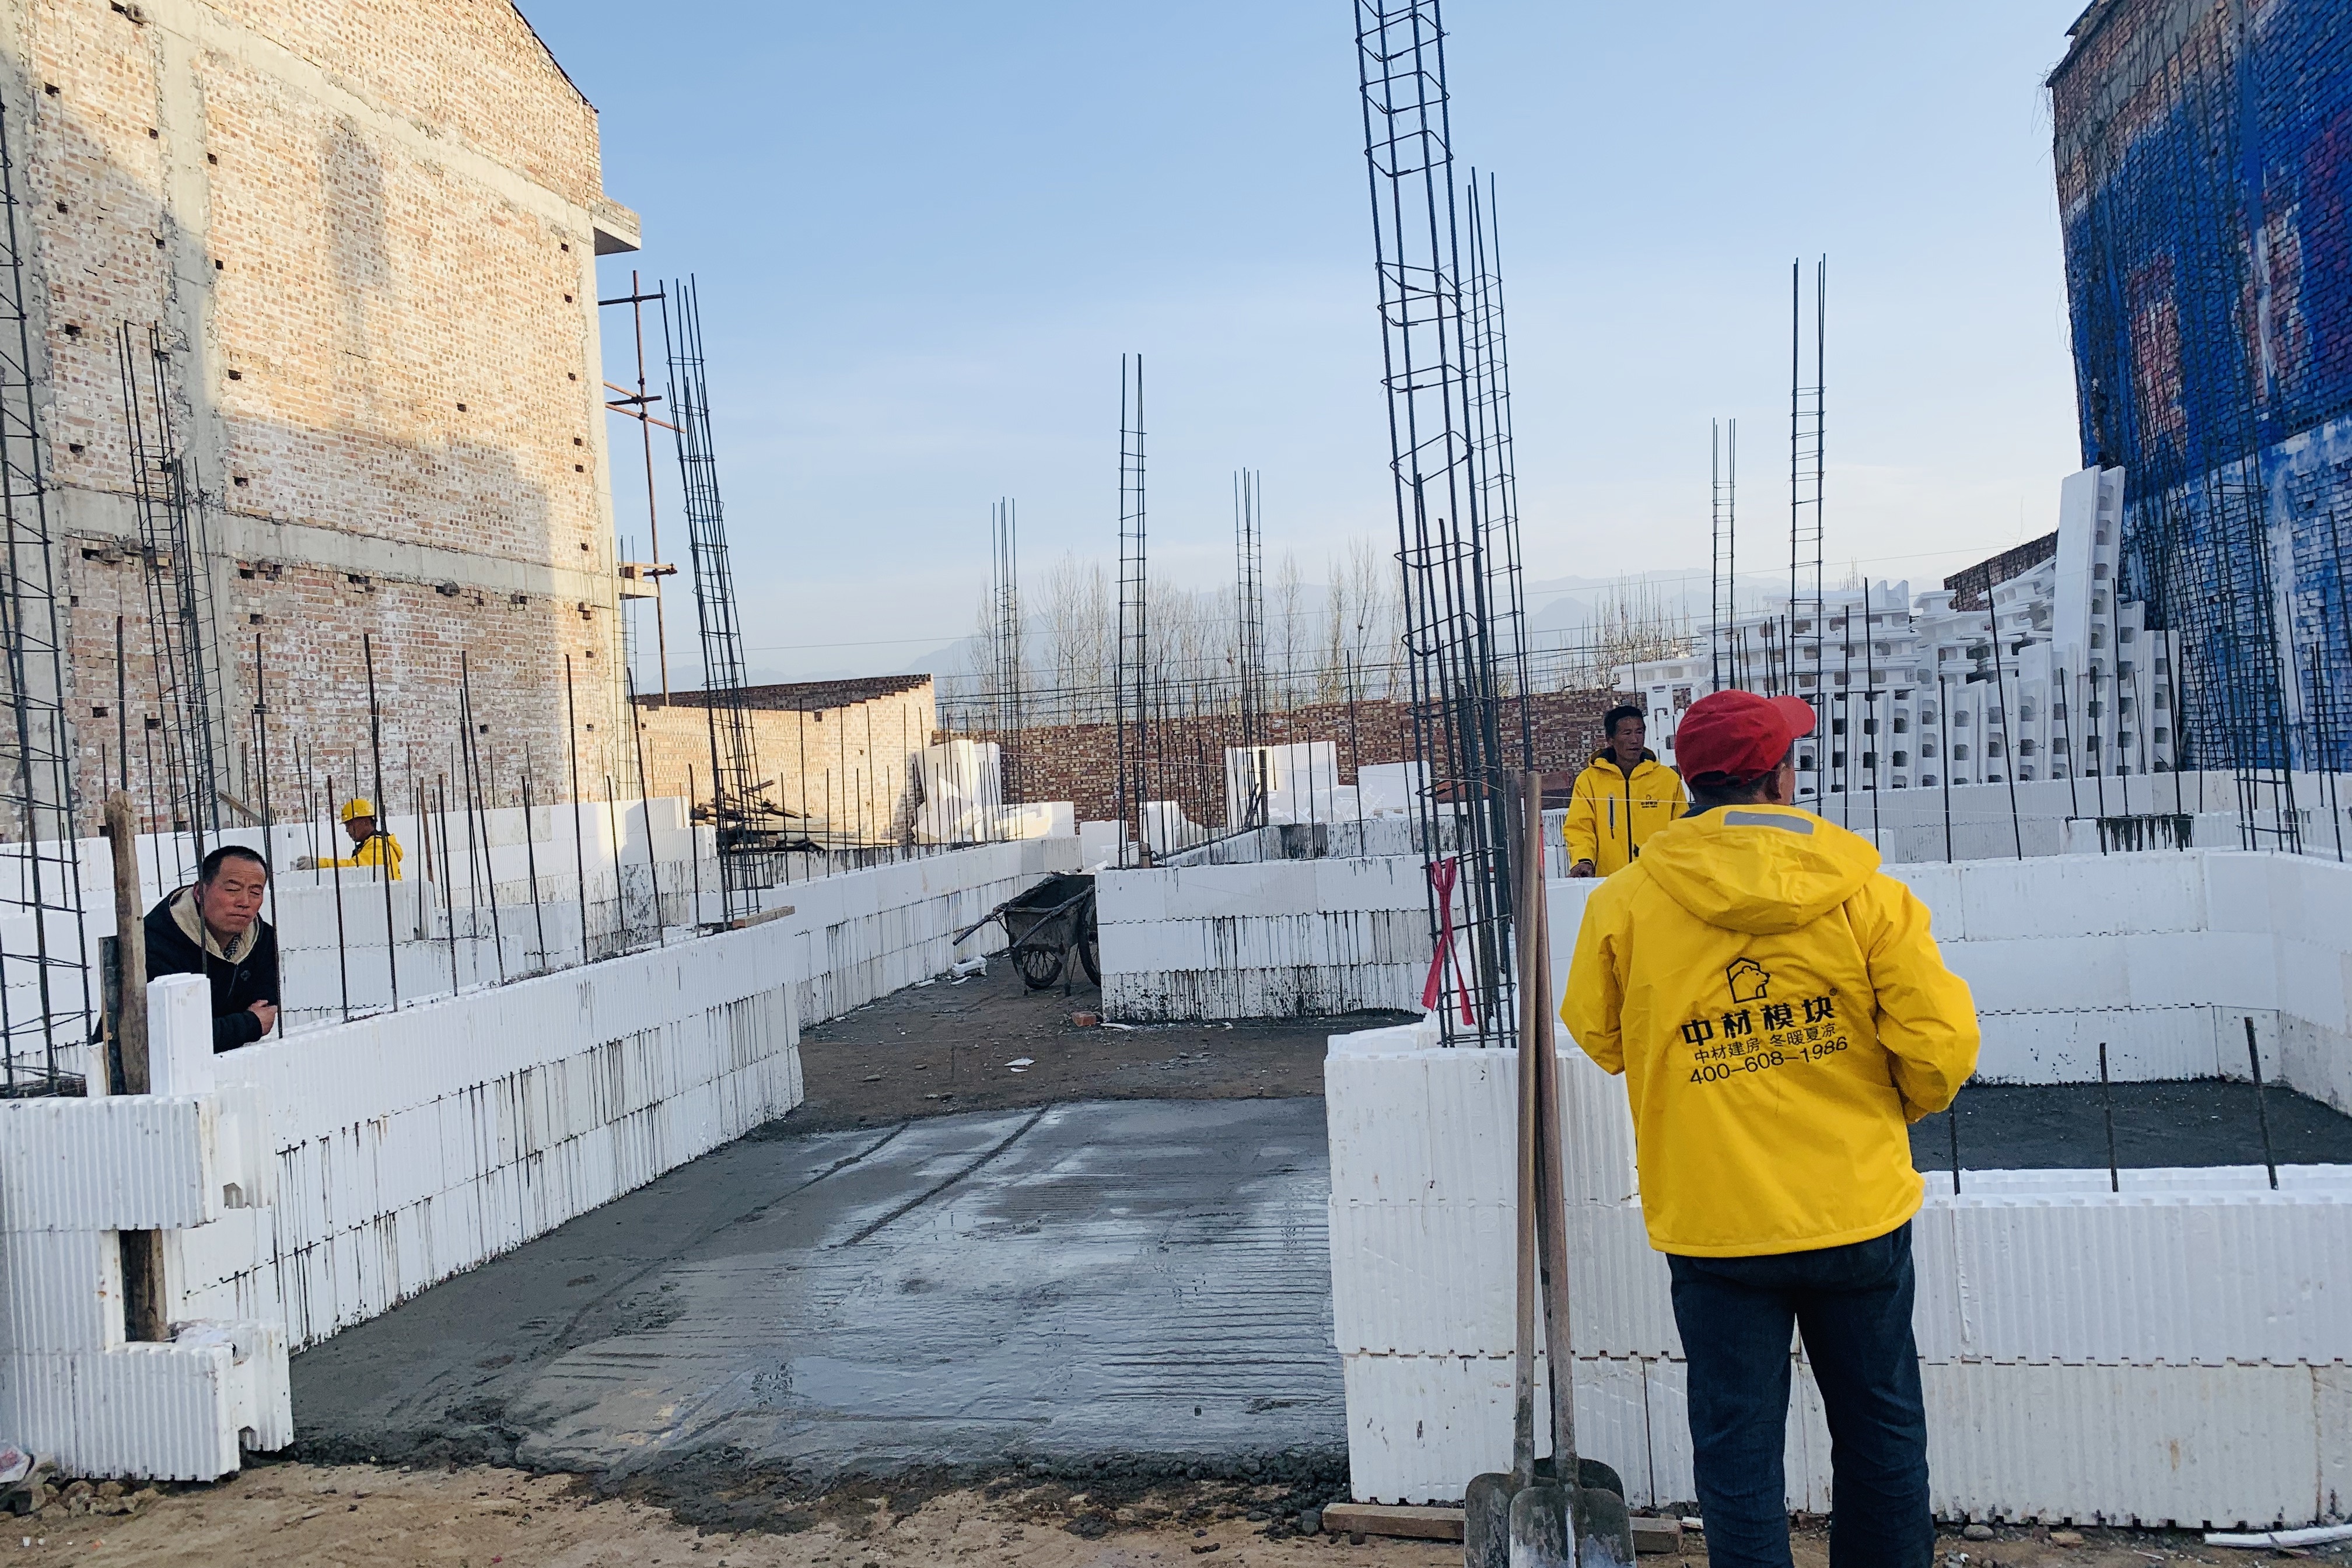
[925, 232]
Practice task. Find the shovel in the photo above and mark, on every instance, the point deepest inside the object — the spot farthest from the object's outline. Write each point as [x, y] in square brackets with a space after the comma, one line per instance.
[1560, 1523]
[1487, 1501]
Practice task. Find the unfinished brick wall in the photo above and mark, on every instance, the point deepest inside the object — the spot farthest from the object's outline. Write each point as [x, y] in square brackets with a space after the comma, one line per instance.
[839, 751]
[1076, 763]
[368, 232]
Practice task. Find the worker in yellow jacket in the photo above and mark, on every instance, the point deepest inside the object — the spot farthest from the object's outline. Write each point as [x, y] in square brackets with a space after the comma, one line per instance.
[372, 846]
[1780, 1015]
[1622, 796]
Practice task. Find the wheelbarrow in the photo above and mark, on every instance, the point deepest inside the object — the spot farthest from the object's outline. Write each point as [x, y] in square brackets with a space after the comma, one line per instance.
[1048, 924]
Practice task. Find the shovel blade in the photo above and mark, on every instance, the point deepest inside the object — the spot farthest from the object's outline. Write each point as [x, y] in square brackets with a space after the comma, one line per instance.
[1540, 1534]
[1604, 1530]
[1554, 1526]
[1486, 1519]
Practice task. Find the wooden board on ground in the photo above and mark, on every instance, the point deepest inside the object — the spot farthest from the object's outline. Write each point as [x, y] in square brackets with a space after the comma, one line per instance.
[1384, 1519]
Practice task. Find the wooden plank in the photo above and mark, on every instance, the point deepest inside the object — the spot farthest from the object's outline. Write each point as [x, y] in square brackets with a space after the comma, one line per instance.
[1656, 1537]
[1383, 1519]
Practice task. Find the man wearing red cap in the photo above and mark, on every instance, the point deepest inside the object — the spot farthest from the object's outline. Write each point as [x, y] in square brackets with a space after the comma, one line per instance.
[1780, 1014]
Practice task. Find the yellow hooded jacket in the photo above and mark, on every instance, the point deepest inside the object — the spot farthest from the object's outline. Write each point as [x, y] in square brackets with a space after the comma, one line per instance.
[1782, 1015]
[1613, 814]
[380, 848]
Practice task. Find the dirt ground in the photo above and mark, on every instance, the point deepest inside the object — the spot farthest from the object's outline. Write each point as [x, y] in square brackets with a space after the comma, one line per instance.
[951, 1046]
[358, 1516]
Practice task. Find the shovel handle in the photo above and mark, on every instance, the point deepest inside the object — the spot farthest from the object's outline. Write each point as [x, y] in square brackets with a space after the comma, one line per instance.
[1523, 1408]
[1551, 1195]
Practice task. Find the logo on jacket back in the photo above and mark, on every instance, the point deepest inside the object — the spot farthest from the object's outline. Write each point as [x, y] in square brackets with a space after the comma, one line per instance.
[1748, 978]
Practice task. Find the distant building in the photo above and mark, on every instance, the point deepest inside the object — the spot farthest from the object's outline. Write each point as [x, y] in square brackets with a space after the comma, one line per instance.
[2055, 677]
[2202, 188]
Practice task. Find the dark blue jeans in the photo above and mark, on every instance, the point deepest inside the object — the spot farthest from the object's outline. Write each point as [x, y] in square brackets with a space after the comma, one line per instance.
[1854, 1305]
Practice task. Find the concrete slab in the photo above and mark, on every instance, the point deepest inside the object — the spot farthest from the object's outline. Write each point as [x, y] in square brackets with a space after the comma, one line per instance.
[1074, 1283]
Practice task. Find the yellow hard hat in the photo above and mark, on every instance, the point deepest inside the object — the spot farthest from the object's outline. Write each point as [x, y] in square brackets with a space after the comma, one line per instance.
[360, 807]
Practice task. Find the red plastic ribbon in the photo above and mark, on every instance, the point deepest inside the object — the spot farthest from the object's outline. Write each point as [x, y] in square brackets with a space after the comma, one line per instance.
[1443, 875]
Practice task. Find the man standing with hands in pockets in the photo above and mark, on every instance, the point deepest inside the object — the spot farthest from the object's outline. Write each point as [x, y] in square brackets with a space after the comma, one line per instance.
[1780, 1014]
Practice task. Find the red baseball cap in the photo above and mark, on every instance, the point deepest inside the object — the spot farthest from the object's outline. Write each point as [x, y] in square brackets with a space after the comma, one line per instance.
[1737, 735]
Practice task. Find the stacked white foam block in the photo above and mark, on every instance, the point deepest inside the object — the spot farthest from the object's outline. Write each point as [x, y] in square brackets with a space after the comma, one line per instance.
[2171, 952]
[74, 1175]
[309, 1183]
[2176, 1353]
[1264, 939]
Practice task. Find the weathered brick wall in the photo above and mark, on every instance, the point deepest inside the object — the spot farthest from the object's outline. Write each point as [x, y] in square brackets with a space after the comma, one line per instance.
[368, 232]
[841, 752]
[1076, 763]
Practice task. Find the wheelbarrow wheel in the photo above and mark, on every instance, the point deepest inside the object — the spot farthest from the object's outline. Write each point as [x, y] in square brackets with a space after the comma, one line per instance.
[1040, 966]
[1090, 947]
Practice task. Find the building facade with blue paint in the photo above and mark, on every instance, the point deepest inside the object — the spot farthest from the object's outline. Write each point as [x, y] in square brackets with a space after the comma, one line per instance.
[2203, 152]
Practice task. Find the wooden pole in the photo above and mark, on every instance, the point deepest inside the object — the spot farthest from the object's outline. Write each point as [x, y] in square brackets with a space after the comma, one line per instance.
[142, 1250]
[131, 941]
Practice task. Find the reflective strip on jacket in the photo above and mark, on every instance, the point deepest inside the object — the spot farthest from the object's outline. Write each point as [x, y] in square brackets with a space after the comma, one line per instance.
[373, 852]
[1611, 815]
[1780, 1014]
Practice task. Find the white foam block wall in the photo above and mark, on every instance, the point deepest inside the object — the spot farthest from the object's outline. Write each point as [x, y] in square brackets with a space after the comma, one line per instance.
[2162, 955]
[1269, 939]
[2172, 1354]
[314, 1182]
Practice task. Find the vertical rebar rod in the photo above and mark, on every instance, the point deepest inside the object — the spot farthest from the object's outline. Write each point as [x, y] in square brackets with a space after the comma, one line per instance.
[646, 810]
[2107, 1109]
[268, 823]
[343, 946]
[620, 891]
[476, 811]
[2262, 1103]
[1952, 1131]
[693, 848]
[579, 832]
[449, 859]
[531, 861]
[1943, 755]
[383, 822]
[2008, 746]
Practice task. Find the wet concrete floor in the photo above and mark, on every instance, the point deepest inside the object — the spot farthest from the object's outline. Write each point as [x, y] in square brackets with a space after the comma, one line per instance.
[1064, 1284]
[1135, 1284]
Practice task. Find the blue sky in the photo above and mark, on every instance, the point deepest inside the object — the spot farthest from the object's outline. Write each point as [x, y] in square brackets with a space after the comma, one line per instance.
[925, 233]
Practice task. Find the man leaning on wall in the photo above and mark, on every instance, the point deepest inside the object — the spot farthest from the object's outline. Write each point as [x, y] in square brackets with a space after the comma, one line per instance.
[1780, 1015]
[1622, 797]
[214, 928]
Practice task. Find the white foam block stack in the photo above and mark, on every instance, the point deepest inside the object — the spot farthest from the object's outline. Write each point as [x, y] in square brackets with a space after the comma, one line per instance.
[2172, 1354]
[1267, 940]
[74, 1175]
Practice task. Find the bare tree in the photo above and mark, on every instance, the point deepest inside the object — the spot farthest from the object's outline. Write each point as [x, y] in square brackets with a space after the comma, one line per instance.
[1633, 621]
[1361, 629]
[1079, 630]
[1288, 640]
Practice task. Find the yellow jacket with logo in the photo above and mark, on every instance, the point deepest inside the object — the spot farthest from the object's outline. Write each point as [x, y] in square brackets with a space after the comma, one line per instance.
[380, 848]
[1611, 815]
[1782, 1015]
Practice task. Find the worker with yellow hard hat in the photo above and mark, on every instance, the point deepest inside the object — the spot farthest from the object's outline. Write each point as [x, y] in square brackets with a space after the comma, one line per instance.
[374, 846]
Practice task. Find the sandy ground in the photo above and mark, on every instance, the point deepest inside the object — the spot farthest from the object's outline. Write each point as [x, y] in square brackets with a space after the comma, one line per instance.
[363, 1516]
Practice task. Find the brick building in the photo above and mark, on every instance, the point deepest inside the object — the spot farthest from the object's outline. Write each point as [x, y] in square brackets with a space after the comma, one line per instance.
[367, 234]
[1078, 763]
[839, 751]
